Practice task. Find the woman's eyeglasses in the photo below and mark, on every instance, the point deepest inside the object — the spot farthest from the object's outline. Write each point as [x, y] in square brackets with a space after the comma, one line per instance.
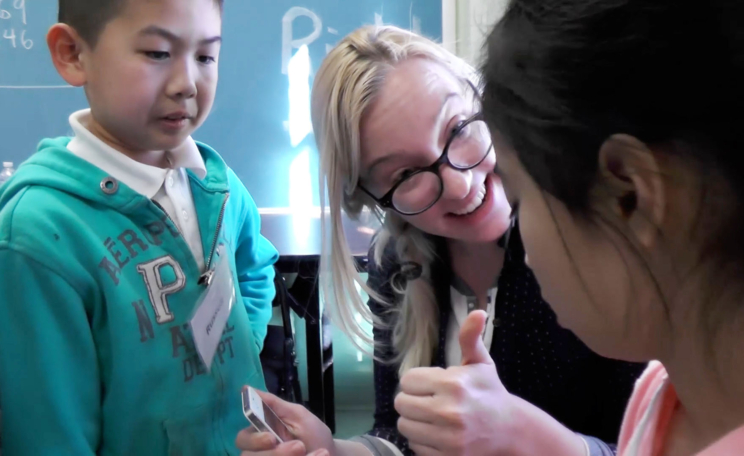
[419, 189]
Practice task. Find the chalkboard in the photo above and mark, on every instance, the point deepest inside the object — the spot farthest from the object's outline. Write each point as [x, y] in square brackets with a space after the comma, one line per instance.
[249, 124]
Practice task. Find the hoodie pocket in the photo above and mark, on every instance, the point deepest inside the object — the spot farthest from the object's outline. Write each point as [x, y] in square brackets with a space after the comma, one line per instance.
[191, 432]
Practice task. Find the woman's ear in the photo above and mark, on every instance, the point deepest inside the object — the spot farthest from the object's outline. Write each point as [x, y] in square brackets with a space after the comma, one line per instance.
[631, 184]
[66, 48]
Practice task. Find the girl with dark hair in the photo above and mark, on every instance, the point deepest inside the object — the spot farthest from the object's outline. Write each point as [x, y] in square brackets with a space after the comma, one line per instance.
[618, 123]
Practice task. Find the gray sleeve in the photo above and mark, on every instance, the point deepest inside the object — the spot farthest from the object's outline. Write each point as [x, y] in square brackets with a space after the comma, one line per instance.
[598, 447]
[377, 446]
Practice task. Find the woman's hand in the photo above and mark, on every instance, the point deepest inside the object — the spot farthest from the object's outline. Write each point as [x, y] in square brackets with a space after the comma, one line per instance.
[313, 436]
[465, 410]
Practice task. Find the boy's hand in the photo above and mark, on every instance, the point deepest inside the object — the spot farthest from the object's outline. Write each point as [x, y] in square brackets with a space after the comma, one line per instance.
[263, 444]
[313, 436]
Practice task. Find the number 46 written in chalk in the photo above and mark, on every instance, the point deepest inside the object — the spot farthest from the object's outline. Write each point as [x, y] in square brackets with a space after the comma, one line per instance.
[10, 34]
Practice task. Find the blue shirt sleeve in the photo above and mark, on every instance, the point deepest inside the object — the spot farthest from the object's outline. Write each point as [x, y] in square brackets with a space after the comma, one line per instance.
[255, 257]
[49, 380]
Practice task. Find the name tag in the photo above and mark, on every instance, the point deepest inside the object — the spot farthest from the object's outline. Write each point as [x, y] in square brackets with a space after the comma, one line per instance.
[213, 310]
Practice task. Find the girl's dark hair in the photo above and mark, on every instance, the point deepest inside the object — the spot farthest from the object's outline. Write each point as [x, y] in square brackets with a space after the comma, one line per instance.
[562, 76]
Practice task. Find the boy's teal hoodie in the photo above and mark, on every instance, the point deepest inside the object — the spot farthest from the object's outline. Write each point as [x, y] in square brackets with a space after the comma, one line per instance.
[96, 291]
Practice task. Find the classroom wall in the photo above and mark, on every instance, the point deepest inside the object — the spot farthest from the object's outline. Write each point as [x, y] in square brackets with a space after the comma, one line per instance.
[260, 120]
[468, 22]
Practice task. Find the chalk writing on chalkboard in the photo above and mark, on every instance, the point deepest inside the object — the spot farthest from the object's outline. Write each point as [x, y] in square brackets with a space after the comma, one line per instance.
[14, 25]
[290, 42]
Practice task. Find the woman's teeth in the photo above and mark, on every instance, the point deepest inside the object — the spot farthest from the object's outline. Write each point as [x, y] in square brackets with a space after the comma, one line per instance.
[477, 202]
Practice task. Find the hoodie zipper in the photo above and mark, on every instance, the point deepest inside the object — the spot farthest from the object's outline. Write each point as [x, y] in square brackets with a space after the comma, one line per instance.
[173, 222]
[206, 278]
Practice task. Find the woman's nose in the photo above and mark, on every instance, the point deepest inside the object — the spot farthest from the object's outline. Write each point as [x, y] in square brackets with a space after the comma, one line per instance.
[456, 182]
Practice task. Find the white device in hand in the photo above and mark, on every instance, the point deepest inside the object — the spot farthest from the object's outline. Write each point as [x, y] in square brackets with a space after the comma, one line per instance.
[262, 417]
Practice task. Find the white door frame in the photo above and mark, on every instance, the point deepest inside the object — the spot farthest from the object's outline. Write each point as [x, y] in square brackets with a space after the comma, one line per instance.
[466, 23]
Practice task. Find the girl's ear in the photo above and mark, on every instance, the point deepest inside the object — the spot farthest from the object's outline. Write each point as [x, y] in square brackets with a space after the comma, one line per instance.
[630, 183]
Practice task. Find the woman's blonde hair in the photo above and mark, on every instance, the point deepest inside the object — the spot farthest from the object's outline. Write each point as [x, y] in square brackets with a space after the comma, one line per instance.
[345, 86]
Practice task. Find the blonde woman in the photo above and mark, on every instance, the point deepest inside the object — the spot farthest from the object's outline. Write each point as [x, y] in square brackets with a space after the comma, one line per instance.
[398, 125]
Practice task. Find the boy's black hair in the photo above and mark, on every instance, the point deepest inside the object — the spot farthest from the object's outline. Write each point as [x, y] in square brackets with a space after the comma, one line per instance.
[89, 17]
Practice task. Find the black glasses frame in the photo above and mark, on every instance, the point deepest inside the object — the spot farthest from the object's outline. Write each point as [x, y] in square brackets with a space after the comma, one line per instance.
[386, 201]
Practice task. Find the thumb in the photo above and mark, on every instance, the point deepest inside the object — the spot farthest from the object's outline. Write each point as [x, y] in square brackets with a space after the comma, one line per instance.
[471, 341]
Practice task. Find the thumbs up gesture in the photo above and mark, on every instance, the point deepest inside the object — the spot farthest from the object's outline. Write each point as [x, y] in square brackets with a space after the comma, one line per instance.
[471, 340]
[462, 410]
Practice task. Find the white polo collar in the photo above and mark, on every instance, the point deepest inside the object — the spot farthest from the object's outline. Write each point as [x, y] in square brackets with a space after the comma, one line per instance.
[144, 179]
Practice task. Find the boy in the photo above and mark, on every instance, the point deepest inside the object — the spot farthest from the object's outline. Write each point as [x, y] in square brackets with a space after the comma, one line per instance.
[111, 241]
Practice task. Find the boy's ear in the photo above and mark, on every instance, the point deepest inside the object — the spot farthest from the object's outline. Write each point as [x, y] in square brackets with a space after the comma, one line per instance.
[66, 48]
